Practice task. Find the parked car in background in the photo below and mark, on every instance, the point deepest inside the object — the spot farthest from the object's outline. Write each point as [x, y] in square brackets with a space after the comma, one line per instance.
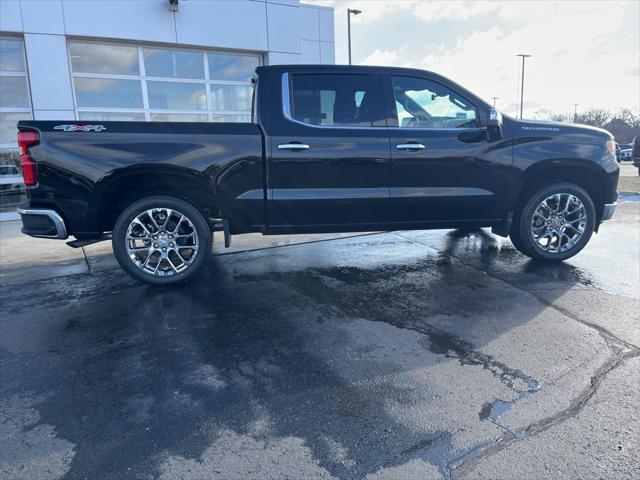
[635, 152]
[625, 151]
[330, 149]
[11, 187]
[626, 154]
[618, 152]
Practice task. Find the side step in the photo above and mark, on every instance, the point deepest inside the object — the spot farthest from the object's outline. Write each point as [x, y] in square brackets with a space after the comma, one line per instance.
[91, 241]
[222, 224]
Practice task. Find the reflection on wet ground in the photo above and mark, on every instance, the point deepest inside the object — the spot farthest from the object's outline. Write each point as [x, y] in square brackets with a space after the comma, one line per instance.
[396, 355]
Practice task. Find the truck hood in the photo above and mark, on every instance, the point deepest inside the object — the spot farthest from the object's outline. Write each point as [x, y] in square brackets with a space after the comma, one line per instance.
[544, 128]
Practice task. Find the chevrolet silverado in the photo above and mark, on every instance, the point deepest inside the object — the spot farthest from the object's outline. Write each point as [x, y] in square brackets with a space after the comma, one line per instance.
[329, 149]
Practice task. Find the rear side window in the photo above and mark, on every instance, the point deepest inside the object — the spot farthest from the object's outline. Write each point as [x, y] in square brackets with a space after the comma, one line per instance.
[331, 100]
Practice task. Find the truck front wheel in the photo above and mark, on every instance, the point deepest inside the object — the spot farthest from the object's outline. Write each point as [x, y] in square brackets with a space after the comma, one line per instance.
[554, 223]
[161, 240]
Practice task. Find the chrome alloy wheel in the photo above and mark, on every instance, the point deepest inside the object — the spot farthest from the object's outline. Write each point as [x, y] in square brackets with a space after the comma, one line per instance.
[558, 223]
[162, 242]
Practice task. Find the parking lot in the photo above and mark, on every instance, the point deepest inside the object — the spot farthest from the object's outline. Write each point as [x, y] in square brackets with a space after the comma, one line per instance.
[441, 354]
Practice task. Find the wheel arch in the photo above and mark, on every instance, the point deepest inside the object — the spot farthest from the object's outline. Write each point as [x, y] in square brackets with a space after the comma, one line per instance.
[115, 192]
[584, 174]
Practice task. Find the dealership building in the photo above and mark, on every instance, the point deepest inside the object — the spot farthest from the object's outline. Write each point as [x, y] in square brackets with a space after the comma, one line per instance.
[143, 60]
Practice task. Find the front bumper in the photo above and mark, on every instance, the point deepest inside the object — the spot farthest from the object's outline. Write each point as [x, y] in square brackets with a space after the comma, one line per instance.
[42, 223]
[608, 211]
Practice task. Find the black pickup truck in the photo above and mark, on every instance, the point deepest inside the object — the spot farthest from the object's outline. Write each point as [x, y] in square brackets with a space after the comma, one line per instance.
[330, 148]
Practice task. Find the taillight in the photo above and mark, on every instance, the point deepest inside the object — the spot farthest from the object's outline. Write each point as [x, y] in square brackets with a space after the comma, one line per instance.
[26, 139]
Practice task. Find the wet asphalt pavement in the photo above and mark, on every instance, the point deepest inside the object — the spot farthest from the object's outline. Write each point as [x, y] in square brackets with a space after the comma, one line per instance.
[403, 355]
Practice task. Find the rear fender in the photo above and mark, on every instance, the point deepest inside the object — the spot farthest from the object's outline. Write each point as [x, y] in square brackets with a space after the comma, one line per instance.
[112, 193]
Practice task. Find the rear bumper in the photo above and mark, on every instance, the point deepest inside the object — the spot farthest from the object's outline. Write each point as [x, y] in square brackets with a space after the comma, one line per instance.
[42, 222]
[608, 211]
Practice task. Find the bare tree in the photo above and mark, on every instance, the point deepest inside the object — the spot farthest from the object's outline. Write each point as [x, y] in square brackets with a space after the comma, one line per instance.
[560, 117]
[596, 117]
[624, 125]
[543, 114]
[631, 116]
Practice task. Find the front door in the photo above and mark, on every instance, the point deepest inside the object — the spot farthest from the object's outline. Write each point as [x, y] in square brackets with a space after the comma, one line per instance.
[330, 162]
[443, 167]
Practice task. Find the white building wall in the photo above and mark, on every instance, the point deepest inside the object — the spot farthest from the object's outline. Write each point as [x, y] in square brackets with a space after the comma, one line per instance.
[226, 24]
[47, 64]
[284, 31]
[10, 16]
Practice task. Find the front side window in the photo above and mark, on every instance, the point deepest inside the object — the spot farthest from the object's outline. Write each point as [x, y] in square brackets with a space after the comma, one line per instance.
[422, 103]
[331, 100]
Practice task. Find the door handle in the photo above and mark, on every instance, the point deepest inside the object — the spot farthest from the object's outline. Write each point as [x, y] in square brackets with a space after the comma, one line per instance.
[293, 146]
[410, 146]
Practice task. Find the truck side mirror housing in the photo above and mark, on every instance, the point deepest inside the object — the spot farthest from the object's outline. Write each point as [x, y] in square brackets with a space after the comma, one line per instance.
[494, 125]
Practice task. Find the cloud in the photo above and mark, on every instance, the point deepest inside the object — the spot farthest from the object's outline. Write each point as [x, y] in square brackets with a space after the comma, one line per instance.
[428, 11]
[459, 11]
[583, 52]
[381, 57]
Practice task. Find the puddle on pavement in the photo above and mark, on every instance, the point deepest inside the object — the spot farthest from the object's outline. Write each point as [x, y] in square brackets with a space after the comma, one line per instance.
[523, 385]
[492, 411]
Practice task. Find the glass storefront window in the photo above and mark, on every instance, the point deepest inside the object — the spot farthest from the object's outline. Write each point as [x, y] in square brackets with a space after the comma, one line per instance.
[173, 63]
[100, 58]
[107, 92]
[14, 92]
[8, 130]
[111, 116]
[160, 84]
[177, 96]
[15, 105]
[224, 66]
[12, 55]
[230, 97]
[232, 118]
[178, 117]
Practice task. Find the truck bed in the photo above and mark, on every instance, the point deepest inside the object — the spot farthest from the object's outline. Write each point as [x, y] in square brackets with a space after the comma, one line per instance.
[83, 171]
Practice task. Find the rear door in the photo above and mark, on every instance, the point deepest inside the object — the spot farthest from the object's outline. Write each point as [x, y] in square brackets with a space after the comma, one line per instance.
[443, 167]
[330, 158]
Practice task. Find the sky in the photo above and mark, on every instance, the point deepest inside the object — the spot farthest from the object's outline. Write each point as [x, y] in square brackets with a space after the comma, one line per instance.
[584, 52]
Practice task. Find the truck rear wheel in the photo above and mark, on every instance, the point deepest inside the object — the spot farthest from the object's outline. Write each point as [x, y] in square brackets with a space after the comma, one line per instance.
[555, 223]
[161, 240]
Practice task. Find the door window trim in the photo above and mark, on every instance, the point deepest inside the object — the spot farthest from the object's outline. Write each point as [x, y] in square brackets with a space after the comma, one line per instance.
[392, 112]
[286, 108]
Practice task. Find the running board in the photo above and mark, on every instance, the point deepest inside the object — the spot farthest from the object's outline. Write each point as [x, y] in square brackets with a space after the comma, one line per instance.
[91, 241]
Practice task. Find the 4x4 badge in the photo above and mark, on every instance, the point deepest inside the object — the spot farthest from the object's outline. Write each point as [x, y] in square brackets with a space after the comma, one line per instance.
[80, 128]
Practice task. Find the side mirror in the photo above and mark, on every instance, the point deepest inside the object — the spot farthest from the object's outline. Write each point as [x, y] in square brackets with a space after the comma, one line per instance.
[494, 125]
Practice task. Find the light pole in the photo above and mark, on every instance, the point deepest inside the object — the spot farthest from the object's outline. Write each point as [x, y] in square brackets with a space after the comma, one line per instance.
[494, 100]
[349, 12]
[523, 55]
[575, 112]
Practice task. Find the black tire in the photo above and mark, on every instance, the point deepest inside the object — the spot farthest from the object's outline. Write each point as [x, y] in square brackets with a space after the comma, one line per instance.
[521, 232]
[166, 273]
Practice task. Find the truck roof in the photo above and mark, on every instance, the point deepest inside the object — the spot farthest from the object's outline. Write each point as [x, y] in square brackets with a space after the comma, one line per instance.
[348, 68]
[374, 69]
